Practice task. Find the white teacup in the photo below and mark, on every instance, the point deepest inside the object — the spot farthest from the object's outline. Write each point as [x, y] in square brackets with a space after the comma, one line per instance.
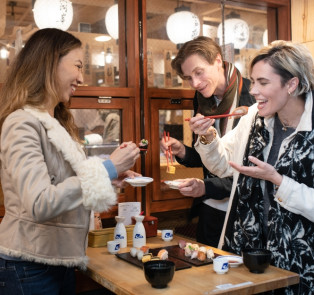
[221, 265]
[113, 246]
[167, 235]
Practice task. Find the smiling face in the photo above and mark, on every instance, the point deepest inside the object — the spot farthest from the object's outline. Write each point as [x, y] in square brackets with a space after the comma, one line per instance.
[272, 97]
[69, 73]
[202, 76]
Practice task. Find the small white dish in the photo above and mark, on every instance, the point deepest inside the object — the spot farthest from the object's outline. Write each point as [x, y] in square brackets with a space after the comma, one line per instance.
[234, 261]
[173, 184]
[138, 181]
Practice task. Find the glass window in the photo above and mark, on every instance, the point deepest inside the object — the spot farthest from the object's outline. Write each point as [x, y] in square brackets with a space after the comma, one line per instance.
[95, 23]
[172, 123]
[99, 129]
[244, 33]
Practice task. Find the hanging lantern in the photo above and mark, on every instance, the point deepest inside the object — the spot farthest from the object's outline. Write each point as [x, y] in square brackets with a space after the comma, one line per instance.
[265, 38]
[4, 53]
[53, 14]
[236, 32]
[182, 26]
[112, 21]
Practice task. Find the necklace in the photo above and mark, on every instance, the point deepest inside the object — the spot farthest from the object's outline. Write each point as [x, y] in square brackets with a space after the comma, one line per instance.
[284, 126]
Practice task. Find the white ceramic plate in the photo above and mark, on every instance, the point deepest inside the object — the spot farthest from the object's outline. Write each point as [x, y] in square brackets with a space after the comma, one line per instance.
[234, 260]
[139, 181]
[173, 184]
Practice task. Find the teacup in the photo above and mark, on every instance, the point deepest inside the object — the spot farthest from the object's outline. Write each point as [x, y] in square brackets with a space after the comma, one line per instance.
[221, 265]
[113, 246]
[167, 235]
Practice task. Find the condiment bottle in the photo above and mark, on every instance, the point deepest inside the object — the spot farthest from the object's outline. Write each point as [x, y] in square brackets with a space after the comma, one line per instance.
[139, 234]
[120, 232]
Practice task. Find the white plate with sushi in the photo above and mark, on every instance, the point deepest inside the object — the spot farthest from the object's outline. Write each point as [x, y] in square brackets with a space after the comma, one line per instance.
[138, 181]
[234, 261]
[173, 183]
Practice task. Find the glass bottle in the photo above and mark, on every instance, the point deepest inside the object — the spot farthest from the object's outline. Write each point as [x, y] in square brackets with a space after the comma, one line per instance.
[139, 234]
[120, 232]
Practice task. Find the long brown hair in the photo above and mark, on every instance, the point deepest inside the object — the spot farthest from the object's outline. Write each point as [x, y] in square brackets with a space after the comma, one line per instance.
[32, 78]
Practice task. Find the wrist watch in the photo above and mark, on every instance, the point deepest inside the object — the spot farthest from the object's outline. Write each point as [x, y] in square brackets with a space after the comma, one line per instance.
[204, 140]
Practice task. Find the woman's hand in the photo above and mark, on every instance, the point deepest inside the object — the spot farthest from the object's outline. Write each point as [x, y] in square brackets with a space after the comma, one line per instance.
[262, 170]
[192, 187]
[124, 157]
[119, 182]
[177, 147]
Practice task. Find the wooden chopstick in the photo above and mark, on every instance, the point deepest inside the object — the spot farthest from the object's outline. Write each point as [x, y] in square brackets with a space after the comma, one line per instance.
[217, 116]
[167, 155]
[170, 149]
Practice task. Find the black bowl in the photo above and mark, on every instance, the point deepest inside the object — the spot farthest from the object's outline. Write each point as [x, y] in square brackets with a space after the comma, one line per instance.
[256, 260]
[159, 272]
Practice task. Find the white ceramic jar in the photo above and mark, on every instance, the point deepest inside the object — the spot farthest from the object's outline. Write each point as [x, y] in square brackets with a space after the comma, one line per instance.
[120, 234]
[139, 233]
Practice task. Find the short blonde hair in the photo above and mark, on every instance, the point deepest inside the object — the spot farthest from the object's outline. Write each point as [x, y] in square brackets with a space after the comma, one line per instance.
[289, 60]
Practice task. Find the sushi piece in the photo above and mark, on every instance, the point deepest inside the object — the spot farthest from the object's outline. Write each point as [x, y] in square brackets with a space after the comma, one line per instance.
[163, 254]
[201, 255]
[147, 257]
[140, 254]
[143, 145]
[194, 254]
[210, 253]
[188, 249]
[133, 252]
[182, 244]
[144, 249]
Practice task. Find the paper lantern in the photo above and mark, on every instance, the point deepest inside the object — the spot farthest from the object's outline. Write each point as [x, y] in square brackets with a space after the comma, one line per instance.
[182, 26]
[236, 32]
[112, 21]
[53, 14]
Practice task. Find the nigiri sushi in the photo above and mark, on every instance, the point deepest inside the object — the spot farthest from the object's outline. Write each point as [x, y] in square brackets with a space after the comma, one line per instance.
[163, 254]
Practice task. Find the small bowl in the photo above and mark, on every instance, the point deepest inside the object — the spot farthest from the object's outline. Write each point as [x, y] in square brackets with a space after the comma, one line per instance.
[159, 272]
[256, 260]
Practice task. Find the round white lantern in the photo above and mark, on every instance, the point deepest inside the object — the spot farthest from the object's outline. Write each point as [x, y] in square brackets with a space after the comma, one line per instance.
[182, 26]
[265, 38]
[112, 21]
[53, 14]
[236, 32]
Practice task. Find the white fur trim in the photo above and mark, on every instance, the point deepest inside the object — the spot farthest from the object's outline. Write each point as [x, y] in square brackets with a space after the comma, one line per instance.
[98, 193]
[75, 262]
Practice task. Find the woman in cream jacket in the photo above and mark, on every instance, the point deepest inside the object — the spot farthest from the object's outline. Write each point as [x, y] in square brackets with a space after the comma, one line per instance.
[49, 185]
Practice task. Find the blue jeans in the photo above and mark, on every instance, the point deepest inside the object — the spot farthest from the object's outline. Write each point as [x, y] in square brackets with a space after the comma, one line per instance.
[30, 278]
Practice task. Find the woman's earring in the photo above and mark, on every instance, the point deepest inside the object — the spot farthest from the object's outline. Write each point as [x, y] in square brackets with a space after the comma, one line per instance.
[289, 93]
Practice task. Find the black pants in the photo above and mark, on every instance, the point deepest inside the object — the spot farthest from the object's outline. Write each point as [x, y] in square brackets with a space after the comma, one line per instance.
[209, 225]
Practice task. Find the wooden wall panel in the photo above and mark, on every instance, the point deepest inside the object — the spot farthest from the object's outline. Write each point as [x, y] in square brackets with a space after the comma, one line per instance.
[302, 20]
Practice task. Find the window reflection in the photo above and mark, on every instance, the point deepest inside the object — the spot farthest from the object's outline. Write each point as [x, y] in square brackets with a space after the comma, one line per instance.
[160, 49]
[106, 123]
[101, 50]
[172, 122]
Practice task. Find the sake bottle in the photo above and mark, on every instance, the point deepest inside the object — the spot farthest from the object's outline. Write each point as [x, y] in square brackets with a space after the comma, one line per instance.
[120, 232]
[139, 234]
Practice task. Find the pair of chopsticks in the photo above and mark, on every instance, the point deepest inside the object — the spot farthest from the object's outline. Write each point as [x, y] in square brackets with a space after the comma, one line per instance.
[216, 116]
[170, 169]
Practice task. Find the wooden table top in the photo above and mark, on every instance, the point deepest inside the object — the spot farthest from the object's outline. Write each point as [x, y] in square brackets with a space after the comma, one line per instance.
[124, 278]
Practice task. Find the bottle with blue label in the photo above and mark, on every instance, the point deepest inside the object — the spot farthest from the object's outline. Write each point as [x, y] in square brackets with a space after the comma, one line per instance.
[139, 234]
[120, 232]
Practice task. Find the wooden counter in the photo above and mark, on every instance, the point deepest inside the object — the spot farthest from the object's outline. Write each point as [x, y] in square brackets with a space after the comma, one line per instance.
[124, 278]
